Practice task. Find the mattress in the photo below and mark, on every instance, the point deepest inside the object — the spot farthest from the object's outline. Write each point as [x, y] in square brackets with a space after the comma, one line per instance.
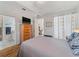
[45, 47]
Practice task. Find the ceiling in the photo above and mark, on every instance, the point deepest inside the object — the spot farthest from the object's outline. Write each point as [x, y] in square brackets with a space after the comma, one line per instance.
[45, 7]
[14, 9]
[34, 8]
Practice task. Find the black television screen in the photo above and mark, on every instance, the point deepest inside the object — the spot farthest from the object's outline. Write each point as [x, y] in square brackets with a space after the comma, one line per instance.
[26, 20]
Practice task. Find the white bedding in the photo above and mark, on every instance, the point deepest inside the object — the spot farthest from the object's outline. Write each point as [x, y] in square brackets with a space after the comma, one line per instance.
[45, 47]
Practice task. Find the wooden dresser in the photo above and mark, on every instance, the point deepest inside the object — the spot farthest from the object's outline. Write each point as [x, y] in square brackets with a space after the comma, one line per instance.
[10, 51]
[26, 32]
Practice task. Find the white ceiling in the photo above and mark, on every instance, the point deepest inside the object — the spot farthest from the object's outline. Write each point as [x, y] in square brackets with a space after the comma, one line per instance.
[35, 7]
[45, 7]
[14, 9]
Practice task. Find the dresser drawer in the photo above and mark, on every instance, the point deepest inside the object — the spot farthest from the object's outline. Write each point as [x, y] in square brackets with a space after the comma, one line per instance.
[27, 34]
[29, 28]
[27, 37]
[26, 31]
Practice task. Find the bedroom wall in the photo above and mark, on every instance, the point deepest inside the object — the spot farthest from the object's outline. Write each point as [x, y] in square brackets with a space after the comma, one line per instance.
[15, 10]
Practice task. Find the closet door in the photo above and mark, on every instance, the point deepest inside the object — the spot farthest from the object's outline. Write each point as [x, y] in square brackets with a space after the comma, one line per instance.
[56, 27]
[61, 27]
[67, 25]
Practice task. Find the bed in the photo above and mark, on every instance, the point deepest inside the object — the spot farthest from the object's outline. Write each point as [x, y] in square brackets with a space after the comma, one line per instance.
[42, 46]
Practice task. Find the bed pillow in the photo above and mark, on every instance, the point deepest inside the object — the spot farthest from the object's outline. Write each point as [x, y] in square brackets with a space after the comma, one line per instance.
[72, 36]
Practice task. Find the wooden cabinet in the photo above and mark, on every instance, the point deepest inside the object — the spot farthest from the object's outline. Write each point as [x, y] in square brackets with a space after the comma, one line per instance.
[10, 51]
[26, 32]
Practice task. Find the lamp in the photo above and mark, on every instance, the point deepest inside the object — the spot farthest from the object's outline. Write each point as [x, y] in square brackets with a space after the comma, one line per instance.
[76, 30]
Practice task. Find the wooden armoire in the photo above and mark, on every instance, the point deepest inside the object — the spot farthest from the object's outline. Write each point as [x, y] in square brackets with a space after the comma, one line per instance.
[26, 31]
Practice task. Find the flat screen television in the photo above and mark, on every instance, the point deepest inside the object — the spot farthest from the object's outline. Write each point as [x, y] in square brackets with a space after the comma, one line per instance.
[26, 20]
